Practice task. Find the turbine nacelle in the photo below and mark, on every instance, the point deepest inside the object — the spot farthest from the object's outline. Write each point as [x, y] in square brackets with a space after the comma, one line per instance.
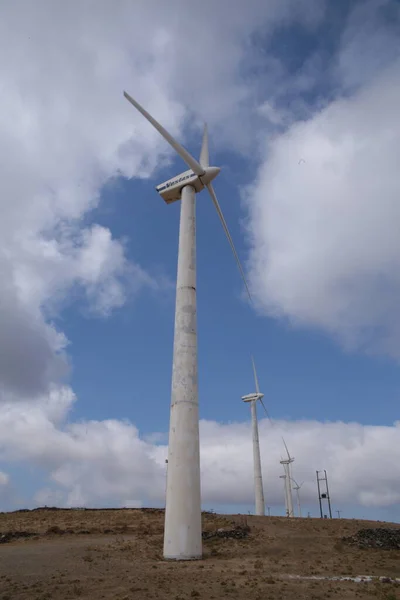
[287, 461]
[171, 190]
[251, 397]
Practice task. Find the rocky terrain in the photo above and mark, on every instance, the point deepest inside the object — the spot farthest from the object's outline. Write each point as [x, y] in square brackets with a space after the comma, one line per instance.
[379, 537]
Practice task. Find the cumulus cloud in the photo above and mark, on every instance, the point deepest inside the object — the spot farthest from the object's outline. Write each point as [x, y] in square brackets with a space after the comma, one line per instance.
[355, 456]
[324, 212]
[97, 463]
[108, 463]
[65, 131]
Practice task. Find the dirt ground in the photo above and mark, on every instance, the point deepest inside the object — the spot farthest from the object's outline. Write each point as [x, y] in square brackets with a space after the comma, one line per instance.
[117, 554]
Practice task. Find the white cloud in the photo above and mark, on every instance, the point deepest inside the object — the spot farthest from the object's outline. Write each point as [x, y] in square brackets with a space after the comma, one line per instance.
[354, 455]
[108, 463]
[323, 219]
[48, 497]
[65, 130]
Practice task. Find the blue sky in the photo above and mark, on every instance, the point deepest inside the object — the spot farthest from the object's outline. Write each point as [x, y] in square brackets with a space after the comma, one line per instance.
[303, 373]
[92, 261]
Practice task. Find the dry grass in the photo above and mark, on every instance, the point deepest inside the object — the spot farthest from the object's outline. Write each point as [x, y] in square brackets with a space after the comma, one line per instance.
[117, 554]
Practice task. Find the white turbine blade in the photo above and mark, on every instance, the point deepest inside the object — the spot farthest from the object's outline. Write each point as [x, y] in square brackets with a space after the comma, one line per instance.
[204, 155]
[255, 375]
[183, 153]
[266, 412]
[228, 235]
[287, 451]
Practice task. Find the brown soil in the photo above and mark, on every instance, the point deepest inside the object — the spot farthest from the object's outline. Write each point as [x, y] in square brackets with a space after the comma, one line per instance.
[117, 554]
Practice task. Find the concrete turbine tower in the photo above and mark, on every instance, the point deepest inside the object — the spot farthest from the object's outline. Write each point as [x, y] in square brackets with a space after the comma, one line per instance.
[258, 484]
[182, 531]
[288, 481]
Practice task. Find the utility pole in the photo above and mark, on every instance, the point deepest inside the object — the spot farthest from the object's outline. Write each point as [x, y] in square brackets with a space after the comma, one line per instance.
[319, 495]
[269, 510]
[323, 495]
[338, 513]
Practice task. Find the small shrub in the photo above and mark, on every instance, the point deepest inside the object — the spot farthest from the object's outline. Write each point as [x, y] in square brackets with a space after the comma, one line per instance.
[55, 529]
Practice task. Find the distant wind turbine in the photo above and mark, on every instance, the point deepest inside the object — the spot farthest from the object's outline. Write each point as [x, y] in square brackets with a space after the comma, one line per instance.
[297, 487]
[258, 484]
[285, 492]
[288, 481]
[182, 531]
[285, 462]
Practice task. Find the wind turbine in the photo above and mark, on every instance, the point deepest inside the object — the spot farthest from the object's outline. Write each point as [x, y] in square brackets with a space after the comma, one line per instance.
[297, 487]
[285, 492]
[288, 479]
[182, 530]
[258, 484]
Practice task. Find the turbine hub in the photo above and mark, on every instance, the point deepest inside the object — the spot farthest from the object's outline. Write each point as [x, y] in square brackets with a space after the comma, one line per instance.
[209, 175]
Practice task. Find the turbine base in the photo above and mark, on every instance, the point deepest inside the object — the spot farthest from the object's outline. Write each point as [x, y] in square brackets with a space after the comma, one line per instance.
[182, 558]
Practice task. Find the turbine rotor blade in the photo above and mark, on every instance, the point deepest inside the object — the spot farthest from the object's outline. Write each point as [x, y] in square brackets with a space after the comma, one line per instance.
[255, 375]
[266, 412]
[287, 451]
[204, 154]
[228, 235]
[183, 153]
